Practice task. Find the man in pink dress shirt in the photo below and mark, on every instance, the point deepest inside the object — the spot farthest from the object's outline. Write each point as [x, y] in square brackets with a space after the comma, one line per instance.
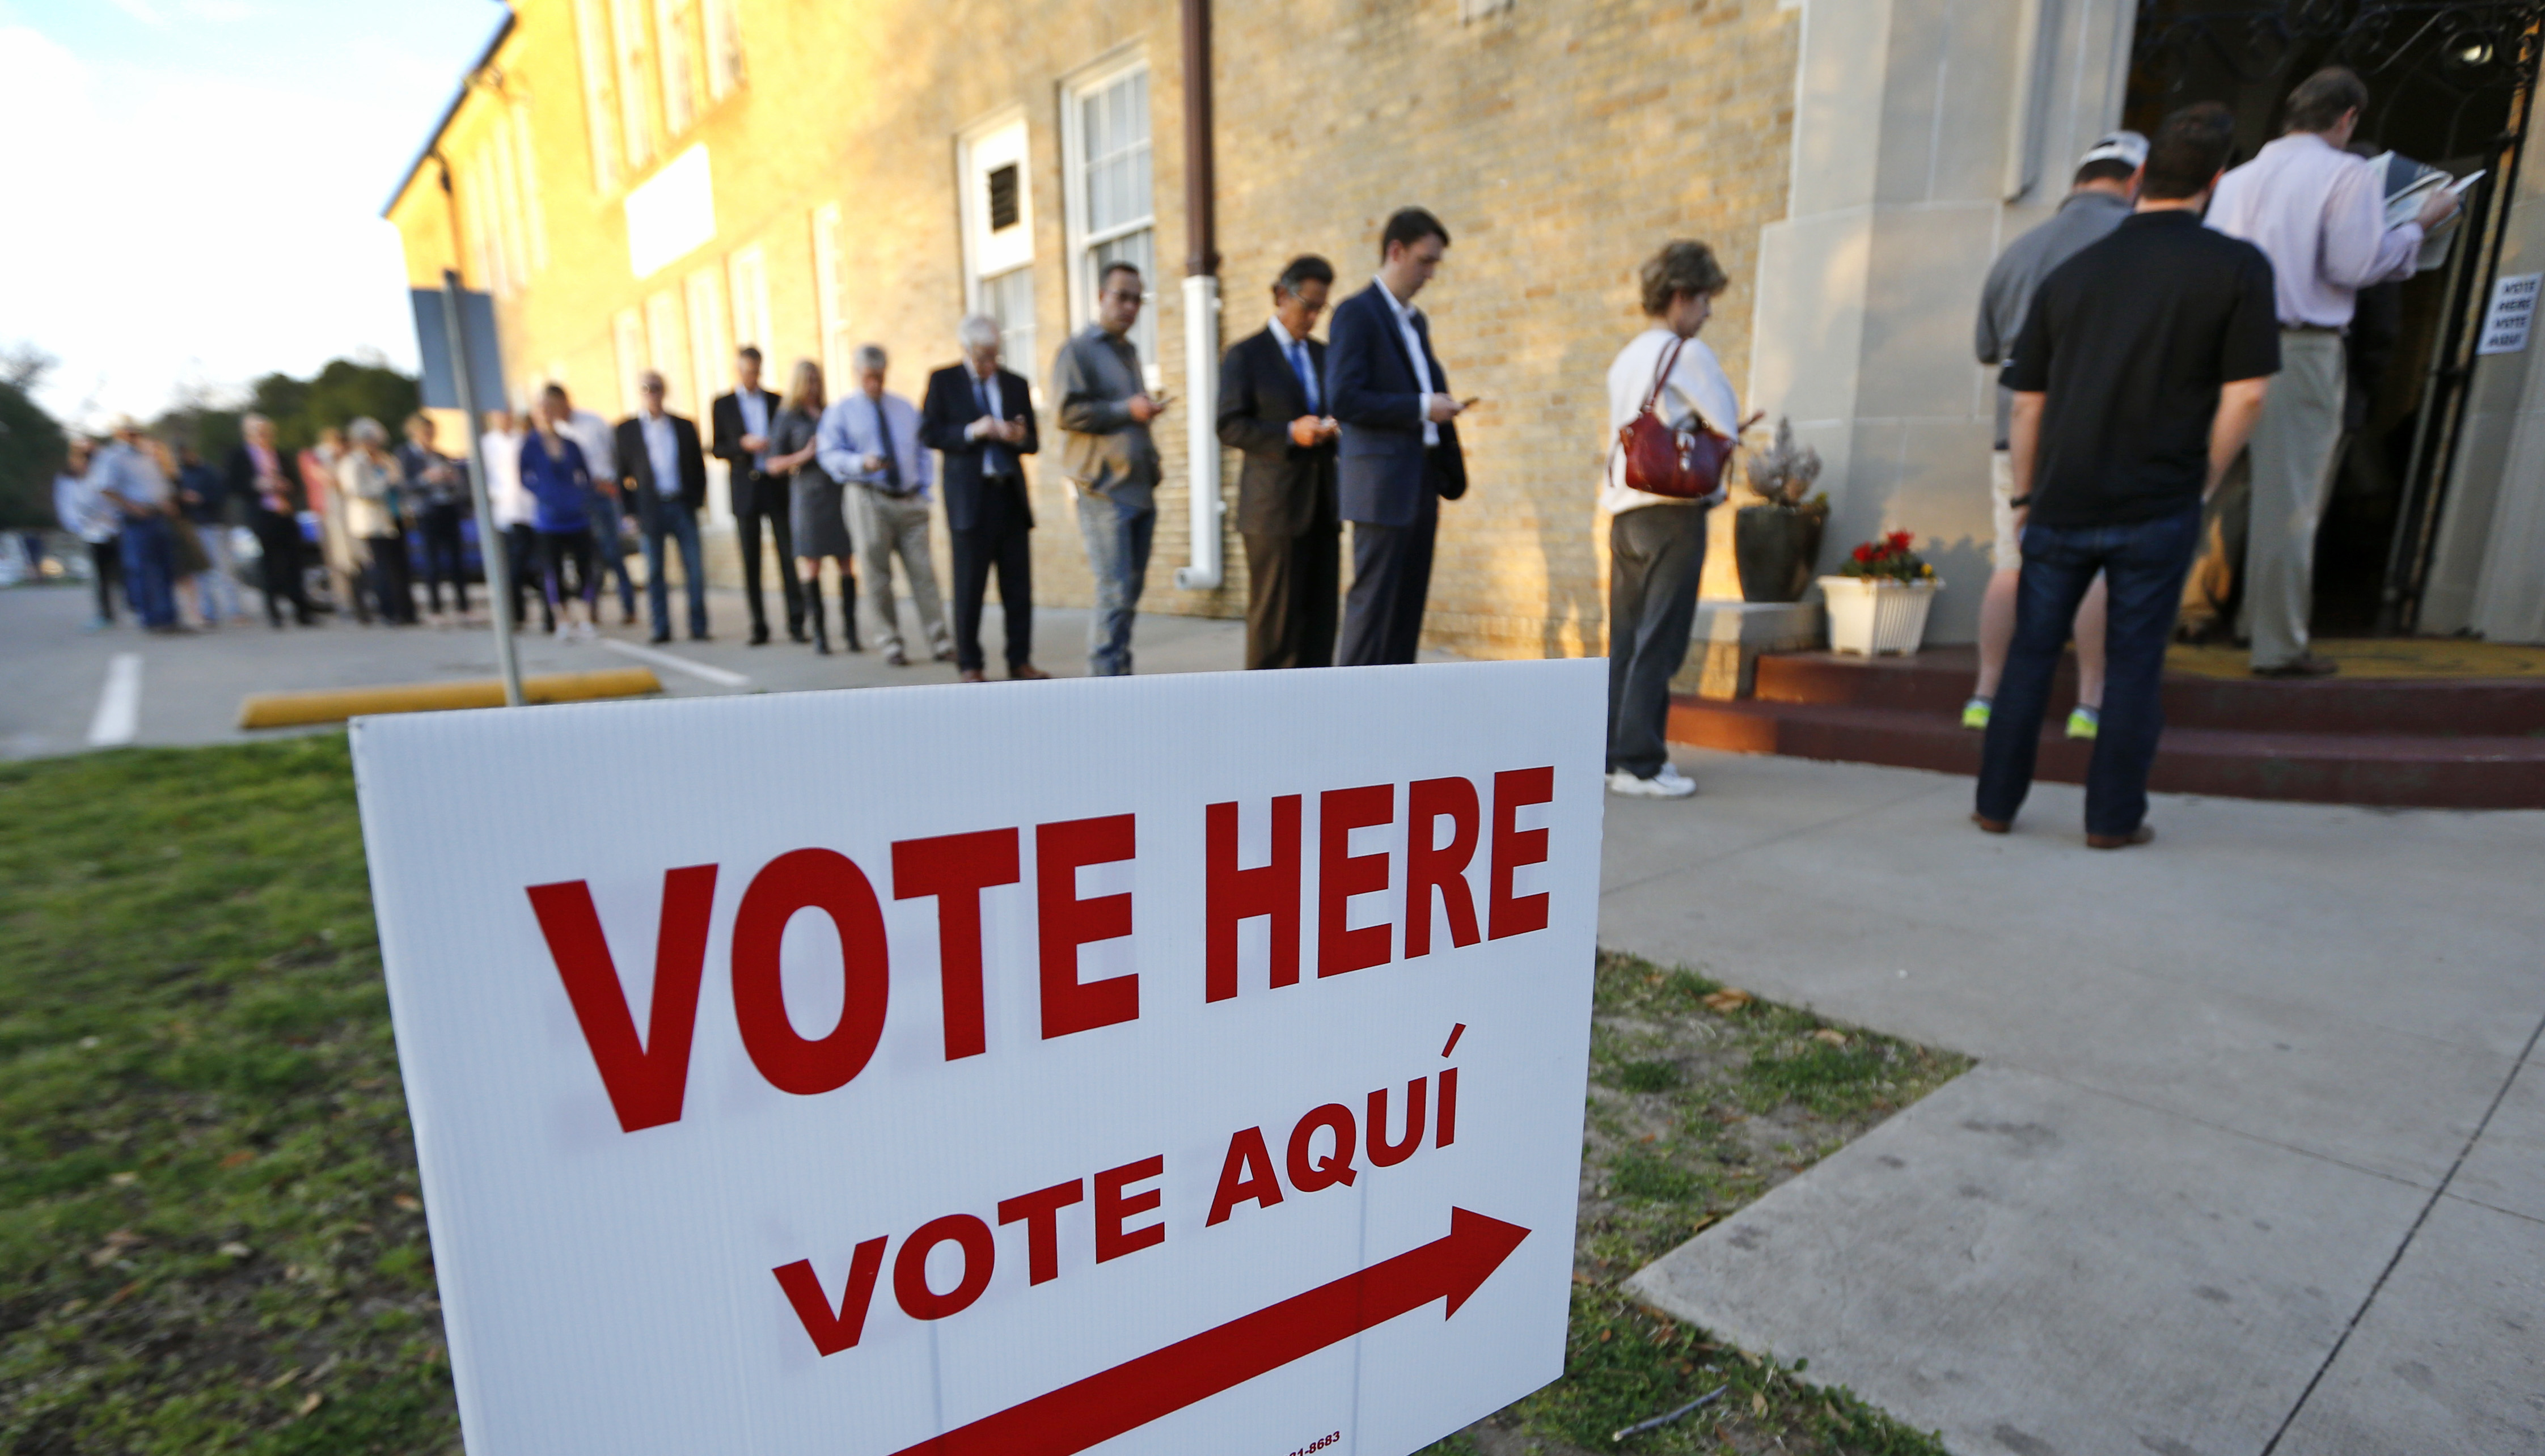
[2319, 213]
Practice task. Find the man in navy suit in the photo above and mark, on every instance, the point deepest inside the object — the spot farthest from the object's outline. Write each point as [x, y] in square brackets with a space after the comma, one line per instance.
[981, 418]
[1399, 456]
[1273, 408]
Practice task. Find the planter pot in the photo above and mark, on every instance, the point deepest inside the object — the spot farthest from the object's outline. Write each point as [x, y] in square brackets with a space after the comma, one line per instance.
[1877, 618]
[1775, 549]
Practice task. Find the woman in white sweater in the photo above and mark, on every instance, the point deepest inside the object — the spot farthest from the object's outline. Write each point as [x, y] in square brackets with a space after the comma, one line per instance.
[1657, 544]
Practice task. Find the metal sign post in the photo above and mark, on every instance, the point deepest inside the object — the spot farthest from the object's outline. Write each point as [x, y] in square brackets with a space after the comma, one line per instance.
[456, 365]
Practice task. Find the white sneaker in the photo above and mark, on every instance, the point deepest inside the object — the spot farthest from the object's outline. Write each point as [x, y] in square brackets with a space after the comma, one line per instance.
[1667, 785]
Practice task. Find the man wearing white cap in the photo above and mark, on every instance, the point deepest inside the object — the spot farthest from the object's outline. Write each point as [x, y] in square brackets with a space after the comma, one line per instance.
[126, 476]
[2105, 186]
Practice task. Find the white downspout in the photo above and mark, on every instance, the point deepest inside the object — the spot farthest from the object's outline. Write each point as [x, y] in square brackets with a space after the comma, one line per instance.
[1202, 429]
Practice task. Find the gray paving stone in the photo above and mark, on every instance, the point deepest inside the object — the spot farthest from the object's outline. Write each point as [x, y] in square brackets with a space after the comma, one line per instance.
[2450, 1358]
[2044, 1270]
[2507, 1168]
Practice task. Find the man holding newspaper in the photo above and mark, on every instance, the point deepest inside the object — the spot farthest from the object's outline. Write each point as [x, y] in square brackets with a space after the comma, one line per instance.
[2320, 214]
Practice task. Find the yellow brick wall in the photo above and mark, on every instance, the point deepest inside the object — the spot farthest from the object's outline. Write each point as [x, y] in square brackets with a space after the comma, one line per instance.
[1560, 142]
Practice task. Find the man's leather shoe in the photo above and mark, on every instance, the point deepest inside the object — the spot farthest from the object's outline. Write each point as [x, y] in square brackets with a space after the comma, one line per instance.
[1025, 672]
[1991, 826]
[897, 657]
[760, 635]
[700, 638]
[2138, 835]
[2305, 665]
[795, 631]
[944, 654]
[659, 639]
[975, 675]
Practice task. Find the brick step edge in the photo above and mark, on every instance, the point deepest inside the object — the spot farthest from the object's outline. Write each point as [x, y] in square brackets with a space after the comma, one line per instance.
[1939, 682]
[2386, 770]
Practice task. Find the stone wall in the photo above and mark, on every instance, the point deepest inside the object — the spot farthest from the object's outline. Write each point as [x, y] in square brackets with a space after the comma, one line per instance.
[1559, 143]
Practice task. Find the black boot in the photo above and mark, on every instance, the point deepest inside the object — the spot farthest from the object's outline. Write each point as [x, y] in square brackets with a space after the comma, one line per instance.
[814, 610]
[849, 609]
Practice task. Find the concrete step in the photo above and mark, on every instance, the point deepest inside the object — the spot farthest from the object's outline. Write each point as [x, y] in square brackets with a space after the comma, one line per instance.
[2386, 770]
[1937, 682]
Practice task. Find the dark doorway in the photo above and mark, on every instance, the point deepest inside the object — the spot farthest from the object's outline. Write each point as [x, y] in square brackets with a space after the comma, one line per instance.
[2449, 85]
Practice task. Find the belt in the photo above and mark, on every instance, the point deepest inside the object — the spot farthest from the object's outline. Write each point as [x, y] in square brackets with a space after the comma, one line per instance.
[887, 491]
[2334, 328]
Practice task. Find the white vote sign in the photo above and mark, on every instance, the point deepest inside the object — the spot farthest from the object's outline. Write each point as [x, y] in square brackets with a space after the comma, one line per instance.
[1168, 1065]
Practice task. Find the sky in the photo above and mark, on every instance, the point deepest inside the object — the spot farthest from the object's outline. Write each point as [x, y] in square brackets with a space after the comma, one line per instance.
[195, 186]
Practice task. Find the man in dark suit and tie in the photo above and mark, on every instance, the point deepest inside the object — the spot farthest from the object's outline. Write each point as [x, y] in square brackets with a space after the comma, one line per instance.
[661, 465]
[1399, 456]
[982, 419]
[741, 424]
[1273, 408]
[259, 476]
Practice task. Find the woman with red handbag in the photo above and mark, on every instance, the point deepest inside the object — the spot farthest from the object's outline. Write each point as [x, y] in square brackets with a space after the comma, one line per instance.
[1670, 414]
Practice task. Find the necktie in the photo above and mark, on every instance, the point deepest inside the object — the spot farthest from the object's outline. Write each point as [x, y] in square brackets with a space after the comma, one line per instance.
[1423, 364]
[993, 459]
[1307, 376]
[891, 456]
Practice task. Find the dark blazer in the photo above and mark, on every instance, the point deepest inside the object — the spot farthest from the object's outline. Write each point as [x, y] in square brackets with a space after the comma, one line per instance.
[724, 418]
[947, 410]
[1285, 489]
[635, 463]
[241, 472]
[1376, 394]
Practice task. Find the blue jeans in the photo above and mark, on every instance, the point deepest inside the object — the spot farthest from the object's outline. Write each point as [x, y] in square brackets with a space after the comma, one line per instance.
[150, 569]
[673, 518]
[611, 553]
[1117, 553]
[2144, 564]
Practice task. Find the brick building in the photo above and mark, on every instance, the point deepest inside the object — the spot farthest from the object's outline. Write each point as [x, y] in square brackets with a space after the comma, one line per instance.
[650, 182]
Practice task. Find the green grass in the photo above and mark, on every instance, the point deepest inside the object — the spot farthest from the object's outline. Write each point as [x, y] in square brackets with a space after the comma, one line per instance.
[209, 1233]
[1694, 1111]
[209, 1238]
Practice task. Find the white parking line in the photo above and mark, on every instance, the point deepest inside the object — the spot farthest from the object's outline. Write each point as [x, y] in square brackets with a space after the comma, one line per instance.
[118, 707]
[721, 676]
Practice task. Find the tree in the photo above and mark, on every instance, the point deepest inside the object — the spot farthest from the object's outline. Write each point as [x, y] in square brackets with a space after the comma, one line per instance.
[31, 450]
[338, 394]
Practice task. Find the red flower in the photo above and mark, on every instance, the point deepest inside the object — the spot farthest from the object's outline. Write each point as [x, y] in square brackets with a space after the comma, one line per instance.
[1864, 553]
[1899, 540]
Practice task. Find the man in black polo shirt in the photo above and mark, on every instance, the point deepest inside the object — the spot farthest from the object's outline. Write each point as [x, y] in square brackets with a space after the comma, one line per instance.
[2138, 376]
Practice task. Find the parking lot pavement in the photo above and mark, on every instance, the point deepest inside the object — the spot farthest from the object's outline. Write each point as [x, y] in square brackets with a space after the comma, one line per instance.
[54, 674]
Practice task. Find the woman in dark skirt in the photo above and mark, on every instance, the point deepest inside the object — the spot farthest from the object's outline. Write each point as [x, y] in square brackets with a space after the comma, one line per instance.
[821, 528]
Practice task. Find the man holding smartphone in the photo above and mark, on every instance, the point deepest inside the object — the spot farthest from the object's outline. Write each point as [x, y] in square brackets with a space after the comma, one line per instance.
[1105, 409]
[1399, 456]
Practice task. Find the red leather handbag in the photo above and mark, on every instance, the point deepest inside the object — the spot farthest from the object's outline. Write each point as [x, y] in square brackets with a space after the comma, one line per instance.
[1663, 461]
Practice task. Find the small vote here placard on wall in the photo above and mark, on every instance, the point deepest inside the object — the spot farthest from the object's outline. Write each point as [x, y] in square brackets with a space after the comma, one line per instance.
[1160, 1065]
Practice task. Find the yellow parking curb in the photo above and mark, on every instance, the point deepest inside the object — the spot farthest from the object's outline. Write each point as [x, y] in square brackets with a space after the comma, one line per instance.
[336, 704]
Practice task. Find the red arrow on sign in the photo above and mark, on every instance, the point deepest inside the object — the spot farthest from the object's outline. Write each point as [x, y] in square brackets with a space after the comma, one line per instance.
[1136, 1392]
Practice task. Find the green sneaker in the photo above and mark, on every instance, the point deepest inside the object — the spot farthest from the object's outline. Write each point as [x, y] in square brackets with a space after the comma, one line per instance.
[1975, 714]
[2085, 723]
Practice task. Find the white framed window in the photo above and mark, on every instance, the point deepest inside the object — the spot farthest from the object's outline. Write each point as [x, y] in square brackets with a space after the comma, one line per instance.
[711, 347]
[830, 309]
[996, 211]
[525, 168]
[724, 48]
[747, 274]
[1105, 133]
[628, 351]
[479, 207]
[666, 351]
[499, 163]
[594, 47]
[672, 47]
[627, 37]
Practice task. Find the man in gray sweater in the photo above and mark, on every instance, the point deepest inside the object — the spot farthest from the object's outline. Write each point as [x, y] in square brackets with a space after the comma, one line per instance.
[2105, 186]
[1105, 411]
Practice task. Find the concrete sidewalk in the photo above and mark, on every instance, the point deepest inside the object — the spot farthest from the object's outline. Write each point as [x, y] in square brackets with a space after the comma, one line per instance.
[2255, 1159]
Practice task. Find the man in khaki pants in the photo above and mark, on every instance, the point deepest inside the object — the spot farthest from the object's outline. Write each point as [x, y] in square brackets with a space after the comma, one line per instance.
[2319, 213]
